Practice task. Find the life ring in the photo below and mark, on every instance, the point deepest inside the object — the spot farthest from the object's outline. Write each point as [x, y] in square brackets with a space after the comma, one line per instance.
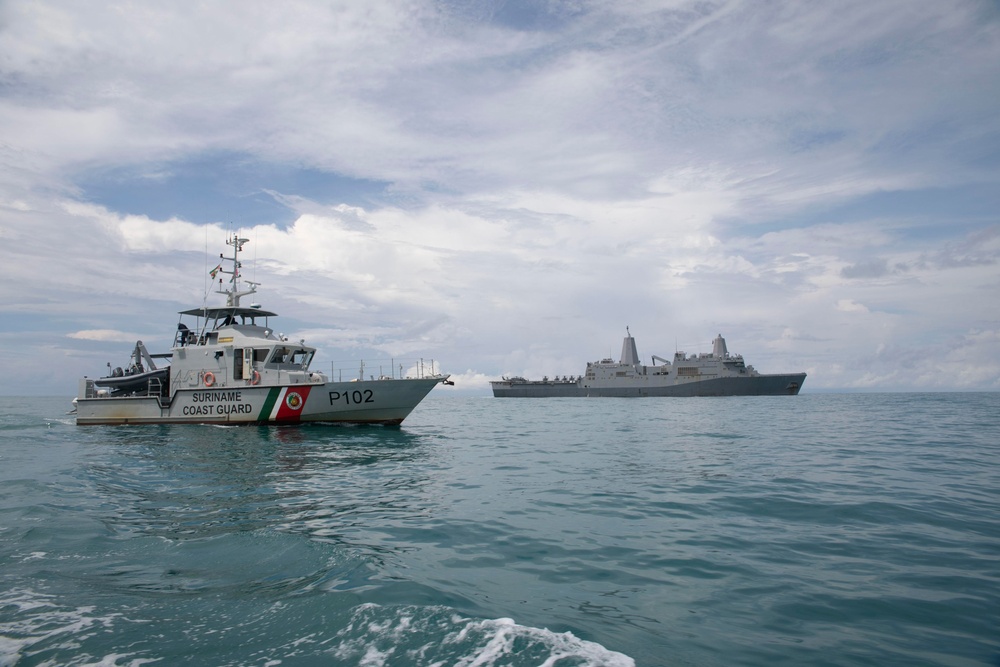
[255, 378]
[208, 378]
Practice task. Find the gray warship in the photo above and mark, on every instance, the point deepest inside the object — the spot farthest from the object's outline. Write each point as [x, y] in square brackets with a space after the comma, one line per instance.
[715, 373]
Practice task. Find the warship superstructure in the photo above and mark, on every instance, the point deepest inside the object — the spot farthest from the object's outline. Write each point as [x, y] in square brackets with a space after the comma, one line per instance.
[715, 373]
[227, 365]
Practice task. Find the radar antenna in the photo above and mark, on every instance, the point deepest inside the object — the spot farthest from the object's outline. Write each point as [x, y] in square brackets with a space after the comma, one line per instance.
[234, 293]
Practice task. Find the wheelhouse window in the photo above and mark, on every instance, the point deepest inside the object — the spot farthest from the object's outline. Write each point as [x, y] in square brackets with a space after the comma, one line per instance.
[290, 358]
[302, 358]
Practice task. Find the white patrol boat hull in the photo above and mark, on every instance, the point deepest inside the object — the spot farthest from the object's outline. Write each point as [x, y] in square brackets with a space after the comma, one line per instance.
[384, 401]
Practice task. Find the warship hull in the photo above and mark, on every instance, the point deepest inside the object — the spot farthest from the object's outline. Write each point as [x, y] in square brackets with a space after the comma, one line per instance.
[761, 385]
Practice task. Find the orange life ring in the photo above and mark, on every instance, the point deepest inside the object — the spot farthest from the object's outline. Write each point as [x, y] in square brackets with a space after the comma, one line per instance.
[208, 378]
[255, 378]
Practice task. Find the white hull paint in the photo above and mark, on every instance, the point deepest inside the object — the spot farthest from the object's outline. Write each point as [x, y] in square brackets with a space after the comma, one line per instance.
[362, 402]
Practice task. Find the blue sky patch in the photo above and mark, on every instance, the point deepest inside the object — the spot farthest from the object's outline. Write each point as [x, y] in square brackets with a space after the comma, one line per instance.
[221, 187]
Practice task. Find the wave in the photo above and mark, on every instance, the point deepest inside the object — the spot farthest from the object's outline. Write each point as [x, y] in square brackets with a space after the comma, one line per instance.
[381, 636]
[40, 627]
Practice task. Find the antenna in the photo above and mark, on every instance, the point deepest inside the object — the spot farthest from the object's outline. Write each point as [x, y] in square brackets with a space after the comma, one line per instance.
[234, 293]
[204, 294]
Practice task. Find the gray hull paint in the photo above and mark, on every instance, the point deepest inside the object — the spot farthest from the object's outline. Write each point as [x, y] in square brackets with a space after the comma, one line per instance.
[762, 385]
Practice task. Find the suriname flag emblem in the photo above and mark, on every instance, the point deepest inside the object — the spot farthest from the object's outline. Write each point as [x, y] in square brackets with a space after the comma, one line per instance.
[284, 404]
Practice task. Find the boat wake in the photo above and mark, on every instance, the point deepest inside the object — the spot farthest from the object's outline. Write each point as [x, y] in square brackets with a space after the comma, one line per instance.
[381, 636]
[40, 628]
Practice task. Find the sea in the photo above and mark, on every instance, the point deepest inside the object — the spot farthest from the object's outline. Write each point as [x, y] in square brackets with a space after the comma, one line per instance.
[820, 529]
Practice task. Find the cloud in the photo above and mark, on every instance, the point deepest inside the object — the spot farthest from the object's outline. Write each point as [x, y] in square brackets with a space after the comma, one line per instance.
[850, 306]
[104, 335]
[872, 268]
[504, 186]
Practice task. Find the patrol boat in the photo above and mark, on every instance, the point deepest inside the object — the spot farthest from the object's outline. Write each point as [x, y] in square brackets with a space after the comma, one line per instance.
[717, 373]
[228, 366]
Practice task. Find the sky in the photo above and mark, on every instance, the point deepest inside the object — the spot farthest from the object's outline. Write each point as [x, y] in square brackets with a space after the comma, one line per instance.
[503, 187]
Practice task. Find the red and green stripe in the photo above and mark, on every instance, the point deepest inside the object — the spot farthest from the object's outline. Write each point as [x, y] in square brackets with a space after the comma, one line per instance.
[284, 404]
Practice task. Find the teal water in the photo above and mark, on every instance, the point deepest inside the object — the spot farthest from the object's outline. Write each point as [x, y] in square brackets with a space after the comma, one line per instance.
[810, 530]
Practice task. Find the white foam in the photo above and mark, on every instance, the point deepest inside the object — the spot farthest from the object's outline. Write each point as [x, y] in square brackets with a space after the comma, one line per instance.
[40, 620]
[436, 636]
[10, 650]
[112, 661]
[502, 633]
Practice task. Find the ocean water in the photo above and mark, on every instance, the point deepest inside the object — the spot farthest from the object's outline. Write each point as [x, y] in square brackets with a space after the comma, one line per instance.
[822, 529]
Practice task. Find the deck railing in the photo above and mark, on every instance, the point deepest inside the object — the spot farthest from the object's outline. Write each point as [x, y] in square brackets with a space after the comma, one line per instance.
[381, 369]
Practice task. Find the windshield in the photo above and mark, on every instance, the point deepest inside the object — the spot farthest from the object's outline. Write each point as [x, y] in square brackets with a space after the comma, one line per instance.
[285, 357]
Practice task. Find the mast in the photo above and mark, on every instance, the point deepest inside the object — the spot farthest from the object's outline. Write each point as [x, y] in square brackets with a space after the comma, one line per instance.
[719, 347]
[233, 293]
[630, 356]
